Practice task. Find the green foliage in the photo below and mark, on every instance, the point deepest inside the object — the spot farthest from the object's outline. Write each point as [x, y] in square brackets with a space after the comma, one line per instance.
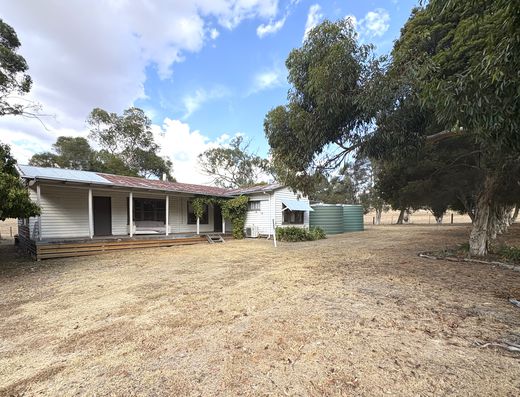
[13, 68]
[295, 234]
[14, 197]
[129, 138]
[471, 52]
[127, 147]
[510, 253]
[199, 205]
[233, 166]
[69, 152]
[235, 210]
[329, 74]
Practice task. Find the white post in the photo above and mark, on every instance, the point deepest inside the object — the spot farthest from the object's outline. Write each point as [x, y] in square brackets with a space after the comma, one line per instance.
[90, 214]
[223, 226]
[38, 200]
[198, 225]
[274, 235]
[131, 213]
[167, 213]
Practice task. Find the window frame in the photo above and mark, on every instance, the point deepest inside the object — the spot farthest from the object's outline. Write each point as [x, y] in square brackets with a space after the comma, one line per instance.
[139, 209]
[258, 203]
[297, 214]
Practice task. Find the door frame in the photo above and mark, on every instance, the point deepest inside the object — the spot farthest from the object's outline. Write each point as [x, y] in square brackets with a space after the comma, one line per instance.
[109, 215]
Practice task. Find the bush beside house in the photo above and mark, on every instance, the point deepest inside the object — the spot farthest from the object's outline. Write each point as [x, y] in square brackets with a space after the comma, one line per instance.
[293, 234]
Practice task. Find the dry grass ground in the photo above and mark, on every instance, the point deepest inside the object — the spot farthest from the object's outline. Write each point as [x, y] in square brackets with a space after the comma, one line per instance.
[356, 314]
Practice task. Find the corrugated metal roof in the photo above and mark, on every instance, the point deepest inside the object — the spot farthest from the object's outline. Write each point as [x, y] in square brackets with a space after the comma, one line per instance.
[257, 189]
[61, 174]
[134, 182]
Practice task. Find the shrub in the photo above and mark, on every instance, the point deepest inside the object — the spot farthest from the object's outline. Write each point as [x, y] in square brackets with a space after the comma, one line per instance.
[293, 234]
[318, 233]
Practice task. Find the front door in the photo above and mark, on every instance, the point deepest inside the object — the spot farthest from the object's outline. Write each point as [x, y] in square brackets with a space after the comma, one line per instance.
[217, 218]
[102, 216]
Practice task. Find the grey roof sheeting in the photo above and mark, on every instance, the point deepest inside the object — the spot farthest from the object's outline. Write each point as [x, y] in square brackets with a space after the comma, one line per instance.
[60, 174]
[97, 178]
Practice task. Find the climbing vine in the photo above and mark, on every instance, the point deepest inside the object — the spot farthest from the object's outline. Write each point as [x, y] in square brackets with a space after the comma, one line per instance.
[199, 204]
[234, 209]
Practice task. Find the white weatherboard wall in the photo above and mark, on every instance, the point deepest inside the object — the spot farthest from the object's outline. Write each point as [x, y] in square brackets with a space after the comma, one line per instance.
[119, 210]
[286, 193]
[263, 217]
[64, 212]
[260, 218]
[178, 217]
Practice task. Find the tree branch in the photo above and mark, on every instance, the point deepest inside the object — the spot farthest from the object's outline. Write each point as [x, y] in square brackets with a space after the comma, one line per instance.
[439, 136]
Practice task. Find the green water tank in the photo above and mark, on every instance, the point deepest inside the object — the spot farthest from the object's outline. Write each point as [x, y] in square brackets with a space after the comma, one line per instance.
[327, 216]
[352, 218]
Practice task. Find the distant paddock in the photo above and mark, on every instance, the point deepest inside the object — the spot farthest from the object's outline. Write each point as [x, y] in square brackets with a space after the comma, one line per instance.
[418, 217]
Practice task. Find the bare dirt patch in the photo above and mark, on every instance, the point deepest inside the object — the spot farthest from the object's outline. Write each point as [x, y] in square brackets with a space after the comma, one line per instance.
[355, 314]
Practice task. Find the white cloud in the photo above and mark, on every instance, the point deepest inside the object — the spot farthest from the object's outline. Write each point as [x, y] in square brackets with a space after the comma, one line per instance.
[183, 146]
[314, 17]
[267, 79]
[375, 23]
[194, 101]
[214, 33]
[271, 28]
[85, 54]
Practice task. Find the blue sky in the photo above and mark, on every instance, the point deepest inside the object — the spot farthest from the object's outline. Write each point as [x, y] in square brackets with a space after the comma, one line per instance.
[204, 70]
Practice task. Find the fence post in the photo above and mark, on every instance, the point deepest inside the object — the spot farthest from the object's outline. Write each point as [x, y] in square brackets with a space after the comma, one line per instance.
[452, 218]
[373, 220]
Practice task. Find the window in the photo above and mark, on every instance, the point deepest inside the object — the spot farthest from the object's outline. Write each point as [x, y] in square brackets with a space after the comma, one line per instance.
[149, 210]
[253, 205]
[192, 219]
[292, 217]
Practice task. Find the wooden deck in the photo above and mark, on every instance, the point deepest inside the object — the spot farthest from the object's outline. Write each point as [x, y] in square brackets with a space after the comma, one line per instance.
[82, 247]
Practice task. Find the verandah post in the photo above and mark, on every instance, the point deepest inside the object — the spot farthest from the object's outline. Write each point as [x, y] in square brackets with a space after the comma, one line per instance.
[223, 226]
[39, 202]
[131, 213]
[167, 214]
[90, 214]
[198, 225]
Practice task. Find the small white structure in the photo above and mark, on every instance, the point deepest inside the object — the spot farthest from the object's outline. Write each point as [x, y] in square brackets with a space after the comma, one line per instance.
[89, 205]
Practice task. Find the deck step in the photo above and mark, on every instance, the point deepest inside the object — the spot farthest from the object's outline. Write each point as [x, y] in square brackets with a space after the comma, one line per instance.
[215, 238]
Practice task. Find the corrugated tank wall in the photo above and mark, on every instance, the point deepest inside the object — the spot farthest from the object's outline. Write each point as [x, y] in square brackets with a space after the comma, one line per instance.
[352, 218]
[328, 217]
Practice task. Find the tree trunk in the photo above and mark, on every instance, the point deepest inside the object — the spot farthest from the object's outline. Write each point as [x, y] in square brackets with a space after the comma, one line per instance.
[379, 212]
[438, 219]
[407, 216]
[478, 238]
[485, 220]
[401, 216]
[515, 214]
